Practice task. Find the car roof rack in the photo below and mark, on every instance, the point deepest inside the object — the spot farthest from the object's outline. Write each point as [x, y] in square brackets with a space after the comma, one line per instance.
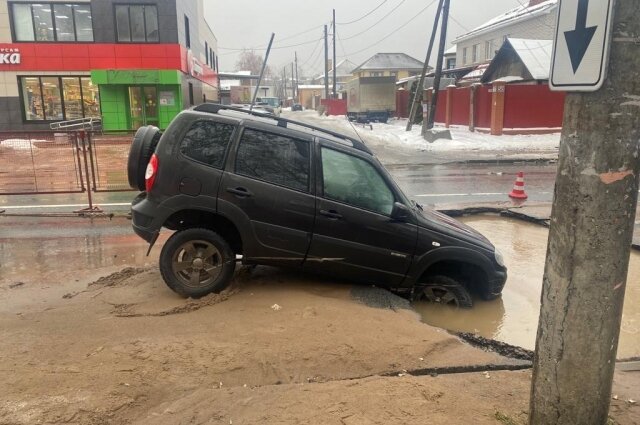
[215, 108]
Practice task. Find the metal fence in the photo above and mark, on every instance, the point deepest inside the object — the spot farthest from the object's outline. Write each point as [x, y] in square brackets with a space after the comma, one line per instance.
[62, 162]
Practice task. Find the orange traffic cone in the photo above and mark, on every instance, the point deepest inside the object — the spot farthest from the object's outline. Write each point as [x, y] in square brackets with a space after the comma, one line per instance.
[518, 188]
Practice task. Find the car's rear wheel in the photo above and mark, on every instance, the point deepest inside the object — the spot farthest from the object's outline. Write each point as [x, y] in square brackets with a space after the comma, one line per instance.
[142, 147]
[443, 290]
[196, 262]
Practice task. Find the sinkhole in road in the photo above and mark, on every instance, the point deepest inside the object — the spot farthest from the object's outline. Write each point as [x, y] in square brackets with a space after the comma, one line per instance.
[514, 317]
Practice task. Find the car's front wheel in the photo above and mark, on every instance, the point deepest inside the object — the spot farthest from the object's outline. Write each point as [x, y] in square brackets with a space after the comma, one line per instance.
[443, 290]
[196, 262]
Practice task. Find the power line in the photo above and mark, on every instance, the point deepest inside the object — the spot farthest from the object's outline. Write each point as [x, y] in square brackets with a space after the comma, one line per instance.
[459, 24]
[362, 17]
[394, 31]
[262, 47]
[381, 19]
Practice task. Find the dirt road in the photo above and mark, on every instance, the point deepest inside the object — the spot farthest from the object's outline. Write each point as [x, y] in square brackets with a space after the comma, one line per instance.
[277, 347]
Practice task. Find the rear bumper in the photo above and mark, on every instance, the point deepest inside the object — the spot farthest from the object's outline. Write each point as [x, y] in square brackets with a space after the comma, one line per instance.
[144, 218]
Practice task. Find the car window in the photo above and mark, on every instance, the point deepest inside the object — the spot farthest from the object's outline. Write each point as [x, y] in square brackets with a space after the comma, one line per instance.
[354, 181]
[206, 142]
[274, 159]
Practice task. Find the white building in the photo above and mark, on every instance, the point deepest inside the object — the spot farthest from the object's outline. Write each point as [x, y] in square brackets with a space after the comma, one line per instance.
[534, 20]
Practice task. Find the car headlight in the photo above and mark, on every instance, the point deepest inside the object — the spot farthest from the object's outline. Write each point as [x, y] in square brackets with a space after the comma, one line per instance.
[499, 258]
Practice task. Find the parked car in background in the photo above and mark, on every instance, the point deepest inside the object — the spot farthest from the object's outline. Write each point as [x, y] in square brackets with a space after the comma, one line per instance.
[272, 102]
[231, 182]
[296, 107]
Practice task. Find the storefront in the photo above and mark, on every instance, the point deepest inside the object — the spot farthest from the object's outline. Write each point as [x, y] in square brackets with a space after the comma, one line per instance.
[57, 63]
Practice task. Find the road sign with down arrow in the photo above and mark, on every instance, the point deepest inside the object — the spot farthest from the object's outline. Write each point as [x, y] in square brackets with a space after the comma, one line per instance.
[581, 45]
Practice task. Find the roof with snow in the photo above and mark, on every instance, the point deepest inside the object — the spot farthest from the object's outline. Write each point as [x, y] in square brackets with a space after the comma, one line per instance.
[344, 69]
[451, 50]
[534, 55]
[520, 13]
[390, 61]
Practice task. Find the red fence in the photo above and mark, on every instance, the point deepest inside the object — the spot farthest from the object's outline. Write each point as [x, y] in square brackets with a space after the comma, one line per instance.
[532, 107]
[482, 107]
[335, 106]
[402, 103]
[515, 108]
[460, 106]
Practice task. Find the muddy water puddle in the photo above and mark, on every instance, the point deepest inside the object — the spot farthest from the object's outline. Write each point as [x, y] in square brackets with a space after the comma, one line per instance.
[514, 318]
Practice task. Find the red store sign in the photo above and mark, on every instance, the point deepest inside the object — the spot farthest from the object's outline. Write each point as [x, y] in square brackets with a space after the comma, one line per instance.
[9, 56]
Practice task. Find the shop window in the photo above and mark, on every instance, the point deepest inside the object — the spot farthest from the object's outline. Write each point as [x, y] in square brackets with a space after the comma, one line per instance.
[55, 22]
[32, 98]
[59, 98]
[137, 23]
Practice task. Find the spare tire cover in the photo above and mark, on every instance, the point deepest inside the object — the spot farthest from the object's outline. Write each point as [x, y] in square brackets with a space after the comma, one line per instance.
[143, 145]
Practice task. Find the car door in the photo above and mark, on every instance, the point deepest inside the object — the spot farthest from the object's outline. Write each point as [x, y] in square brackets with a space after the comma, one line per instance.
[267, 186]
[354, 235]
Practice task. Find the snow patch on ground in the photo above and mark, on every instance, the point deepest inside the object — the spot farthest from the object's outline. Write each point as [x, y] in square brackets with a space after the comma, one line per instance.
[20, 144]
[394, 133]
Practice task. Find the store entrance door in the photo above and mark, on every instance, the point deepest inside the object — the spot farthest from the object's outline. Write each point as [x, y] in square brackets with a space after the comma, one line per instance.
[143, 102]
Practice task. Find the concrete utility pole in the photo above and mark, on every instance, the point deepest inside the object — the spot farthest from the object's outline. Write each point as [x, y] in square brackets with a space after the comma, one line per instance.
[335, 95]
[592, 221]
[326, 64]
[264, 65]
[417, 96]
[297, 81]
[438, 73]
[284, 78]
[294, 86]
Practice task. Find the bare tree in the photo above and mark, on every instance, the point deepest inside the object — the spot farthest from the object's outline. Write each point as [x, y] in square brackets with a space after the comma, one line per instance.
[251, 61]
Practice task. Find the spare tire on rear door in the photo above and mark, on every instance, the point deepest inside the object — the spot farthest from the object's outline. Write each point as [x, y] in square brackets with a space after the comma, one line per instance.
[143, 145]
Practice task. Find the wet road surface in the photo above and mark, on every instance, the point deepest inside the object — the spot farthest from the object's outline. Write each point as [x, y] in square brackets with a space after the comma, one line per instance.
[46, 251]
[514, 317]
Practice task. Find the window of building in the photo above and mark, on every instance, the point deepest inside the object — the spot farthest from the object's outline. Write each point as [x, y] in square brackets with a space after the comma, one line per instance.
[187, 32]
[191, 94]
[206, 52]
[137, 23]
[451, 63]
[58, 98]
[488, 50]
[54, 22]
[207, 142]
[393, 74]
[376, 74]
[354, 181]
[464, 56]
[474, 53]
[274, 159]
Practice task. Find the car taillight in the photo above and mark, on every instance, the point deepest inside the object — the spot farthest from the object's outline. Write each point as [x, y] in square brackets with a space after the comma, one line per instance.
[151, 173]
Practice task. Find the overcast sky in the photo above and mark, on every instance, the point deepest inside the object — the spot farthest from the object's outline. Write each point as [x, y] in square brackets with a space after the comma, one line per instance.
[241, 24]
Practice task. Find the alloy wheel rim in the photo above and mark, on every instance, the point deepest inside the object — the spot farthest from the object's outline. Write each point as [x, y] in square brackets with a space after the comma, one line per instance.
[440, 295]
[197, 263]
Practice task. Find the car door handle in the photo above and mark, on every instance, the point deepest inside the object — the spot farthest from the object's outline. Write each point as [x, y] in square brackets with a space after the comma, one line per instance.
[331, 214]
[239, 191]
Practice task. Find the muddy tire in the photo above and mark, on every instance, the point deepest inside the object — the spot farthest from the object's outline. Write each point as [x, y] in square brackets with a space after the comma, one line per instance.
[142, 147]
[196, 262]
[444, 290]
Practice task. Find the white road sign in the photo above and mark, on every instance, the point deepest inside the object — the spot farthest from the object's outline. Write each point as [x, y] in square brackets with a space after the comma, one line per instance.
[581, 45]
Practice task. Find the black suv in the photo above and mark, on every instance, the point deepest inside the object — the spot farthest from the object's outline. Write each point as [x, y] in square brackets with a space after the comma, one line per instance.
[240, 186]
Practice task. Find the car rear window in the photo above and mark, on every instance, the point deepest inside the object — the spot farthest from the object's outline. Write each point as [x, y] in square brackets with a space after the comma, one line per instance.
[207, 142]
[275, 159]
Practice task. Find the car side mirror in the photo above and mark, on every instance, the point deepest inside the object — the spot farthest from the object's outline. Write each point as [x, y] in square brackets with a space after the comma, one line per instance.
[400, 212]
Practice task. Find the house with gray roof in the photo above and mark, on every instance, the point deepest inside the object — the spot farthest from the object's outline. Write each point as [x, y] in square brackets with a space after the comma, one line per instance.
[520, 60]
[535, 19]
[399, 65]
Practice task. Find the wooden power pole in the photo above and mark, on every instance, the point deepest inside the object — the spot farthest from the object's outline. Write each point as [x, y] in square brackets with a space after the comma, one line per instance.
[438, 74]
[335, 95]
[592, 221]
[326, 64]
[417, 96]
[297, 81]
